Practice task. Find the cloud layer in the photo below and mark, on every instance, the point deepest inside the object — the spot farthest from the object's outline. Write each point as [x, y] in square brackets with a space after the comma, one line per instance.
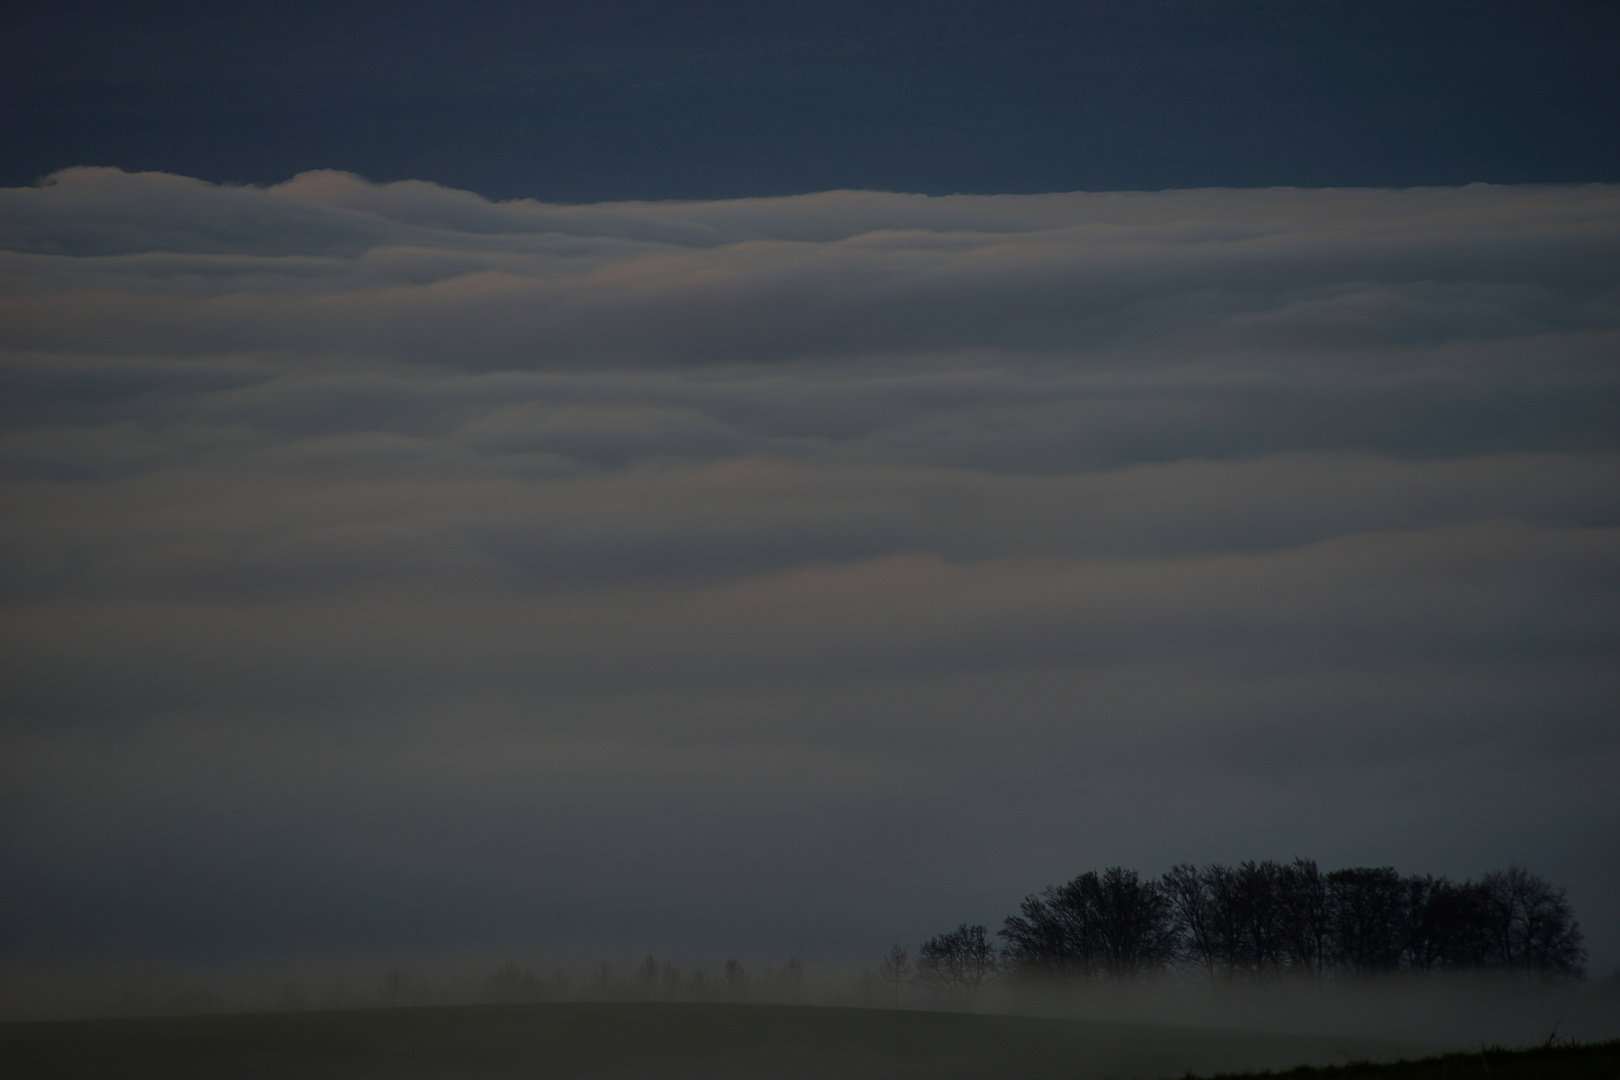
[389, 568]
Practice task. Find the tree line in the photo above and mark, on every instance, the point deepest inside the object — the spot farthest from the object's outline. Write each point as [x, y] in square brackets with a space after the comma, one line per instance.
[1257, 920]
[649, 981]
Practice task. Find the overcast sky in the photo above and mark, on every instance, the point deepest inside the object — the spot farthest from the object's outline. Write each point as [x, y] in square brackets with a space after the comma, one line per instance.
[390, 569]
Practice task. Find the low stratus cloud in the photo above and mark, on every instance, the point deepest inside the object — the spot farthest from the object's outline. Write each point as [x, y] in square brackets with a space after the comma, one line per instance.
[387, 568]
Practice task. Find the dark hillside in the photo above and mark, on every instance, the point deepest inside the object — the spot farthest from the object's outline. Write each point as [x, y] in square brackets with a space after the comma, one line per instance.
[643, 1040]
[1591, 1061]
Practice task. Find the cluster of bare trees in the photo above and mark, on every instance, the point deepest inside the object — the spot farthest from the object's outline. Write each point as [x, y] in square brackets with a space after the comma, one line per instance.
[1255, 920]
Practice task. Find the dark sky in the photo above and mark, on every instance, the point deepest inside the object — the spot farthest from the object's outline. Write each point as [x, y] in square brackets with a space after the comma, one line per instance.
[628, 99]
[388, 567]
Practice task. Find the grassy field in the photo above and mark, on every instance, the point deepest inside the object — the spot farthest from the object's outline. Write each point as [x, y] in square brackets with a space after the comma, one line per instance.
[1592, 1061]
[588, 1039]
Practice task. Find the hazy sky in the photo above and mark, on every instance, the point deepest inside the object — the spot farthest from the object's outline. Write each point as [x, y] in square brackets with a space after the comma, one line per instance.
[612, 99]
[781, 564]
[390, 569]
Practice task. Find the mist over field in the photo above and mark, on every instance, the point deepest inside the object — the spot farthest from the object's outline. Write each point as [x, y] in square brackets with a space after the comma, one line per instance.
[390, 572]
[1412, 1015]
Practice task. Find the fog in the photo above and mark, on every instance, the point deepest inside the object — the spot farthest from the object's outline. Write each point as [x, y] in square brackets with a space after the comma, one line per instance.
[1416, 1013]
[390, 572]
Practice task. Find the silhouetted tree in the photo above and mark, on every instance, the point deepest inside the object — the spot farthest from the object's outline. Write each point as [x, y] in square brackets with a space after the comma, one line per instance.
[1254, 919]
[1445, 924]
[1529, 927]
[1056, 936]
[1369, 917]
[957, 965]
[1263, 916]
[1307, 922]
[1192, 917]
[1133, 923]
[1112, 923]
[1228, 921]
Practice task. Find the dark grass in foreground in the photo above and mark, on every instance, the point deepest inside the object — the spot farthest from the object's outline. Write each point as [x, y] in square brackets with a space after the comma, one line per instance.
[1577, 1061]
[593, 1039]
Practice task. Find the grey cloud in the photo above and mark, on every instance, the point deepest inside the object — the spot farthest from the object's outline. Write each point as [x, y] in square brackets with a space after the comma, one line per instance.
[847, 563]
[108, 212]
[1406, 275]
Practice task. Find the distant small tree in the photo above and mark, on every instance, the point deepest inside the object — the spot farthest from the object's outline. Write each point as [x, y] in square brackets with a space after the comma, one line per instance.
[893, 971]
[512, 983]
[670, 977]
[736, 979]
[699, 986]
[561, 983]
[647, 978]
[782, 984]
[291, 998]
[603, 983]
[336, 995]
[195, 1001]
[958, 965]
[396, 987]
[793, 979]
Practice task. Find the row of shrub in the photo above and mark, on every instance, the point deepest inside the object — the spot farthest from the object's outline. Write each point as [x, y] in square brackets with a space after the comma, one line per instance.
[1260, 919]
[649, 981]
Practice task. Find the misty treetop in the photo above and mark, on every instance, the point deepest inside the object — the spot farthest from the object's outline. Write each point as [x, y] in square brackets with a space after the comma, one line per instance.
[1261, 919]
[1112, 923]
[957, 965]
